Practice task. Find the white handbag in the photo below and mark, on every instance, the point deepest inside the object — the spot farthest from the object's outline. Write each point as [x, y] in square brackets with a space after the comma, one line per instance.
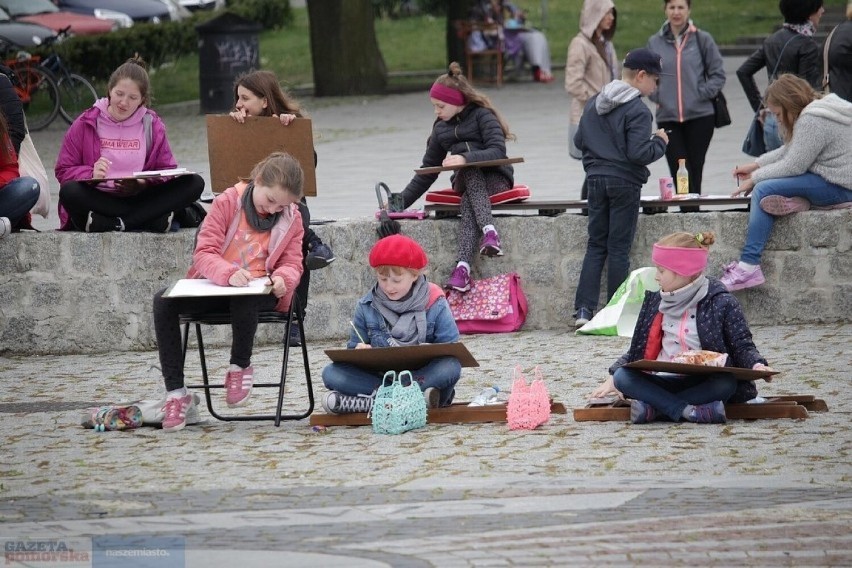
[29, 164]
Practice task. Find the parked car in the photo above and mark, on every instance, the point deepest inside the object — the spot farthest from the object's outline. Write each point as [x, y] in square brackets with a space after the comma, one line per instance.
[194, 5]
[20, 34]
[136, 11]
[44, 13]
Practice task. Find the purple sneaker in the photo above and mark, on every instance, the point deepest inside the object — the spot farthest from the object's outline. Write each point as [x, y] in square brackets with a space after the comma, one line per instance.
[642, 412]
[736, 278]
[710, 413]
[459, 279]
[490, 245]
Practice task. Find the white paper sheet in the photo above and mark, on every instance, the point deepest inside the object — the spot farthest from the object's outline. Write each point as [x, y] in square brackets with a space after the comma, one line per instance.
[195, 287]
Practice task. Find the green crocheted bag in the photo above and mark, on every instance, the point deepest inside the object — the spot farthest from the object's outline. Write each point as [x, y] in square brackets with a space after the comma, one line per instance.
[398, 407]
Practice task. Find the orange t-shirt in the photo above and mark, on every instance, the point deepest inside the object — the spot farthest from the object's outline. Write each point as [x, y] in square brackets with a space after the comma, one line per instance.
[248, 249]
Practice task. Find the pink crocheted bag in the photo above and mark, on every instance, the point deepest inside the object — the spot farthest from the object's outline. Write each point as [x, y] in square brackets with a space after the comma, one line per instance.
[529, 405]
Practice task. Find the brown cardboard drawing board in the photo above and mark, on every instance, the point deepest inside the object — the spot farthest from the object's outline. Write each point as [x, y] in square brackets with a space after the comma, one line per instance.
[401, 358]
[233, 148]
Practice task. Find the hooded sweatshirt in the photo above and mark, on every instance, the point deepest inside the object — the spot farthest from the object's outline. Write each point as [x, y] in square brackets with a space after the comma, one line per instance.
[586, 70]
[122, 143]
[615, 134]
[821, 144]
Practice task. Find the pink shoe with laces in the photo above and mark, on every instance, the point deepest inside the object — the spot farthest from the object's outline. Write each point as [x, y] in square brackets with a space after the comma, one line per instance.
[736, 278]
[238, 386]
[459, 279]
[174, 411]
[778, 205]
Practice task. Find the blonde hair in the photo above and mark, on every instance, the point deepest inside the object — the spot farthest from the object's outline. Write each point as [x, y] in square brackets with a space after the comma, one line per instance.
[135, 70]
[280, 169]
[688, 240]
[388, 270]
[456, 80]
[792, 94]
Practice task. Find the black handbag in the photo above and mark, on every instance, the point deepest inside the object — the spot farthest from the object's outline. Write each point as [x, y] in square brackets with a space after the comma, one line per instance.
[753, 144]
[720, 105]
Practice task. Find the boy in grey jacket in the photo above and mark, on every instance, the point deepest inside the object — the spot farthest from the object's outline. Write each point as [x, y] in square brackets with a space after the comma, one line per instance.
[616, 138]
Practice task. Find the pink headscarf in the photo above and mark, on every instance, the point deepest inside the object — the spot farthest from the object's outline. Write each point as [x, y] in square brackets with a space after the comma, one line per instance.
[685, 261]
[446, 94]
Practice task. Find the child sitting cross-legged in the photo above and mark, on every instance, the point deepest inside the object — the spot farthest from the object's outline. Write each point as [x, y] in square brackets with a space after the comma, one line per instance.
[690, 312]
[403, 308]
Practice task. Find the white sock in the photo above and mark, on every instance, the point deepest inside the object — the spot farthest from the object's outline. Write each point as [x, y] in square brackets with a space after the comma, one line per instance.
[463, 263]
[234, 368]
[177, 393]
[687, 409]
[487, 228]
[746, 266]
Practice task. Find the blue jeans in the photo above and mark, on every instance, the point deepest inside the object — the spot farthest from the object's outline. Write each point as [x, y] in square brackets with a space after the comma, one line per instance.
[441, 373]
[17, 198]
[771, 136]
[613, 216]
[808, 185]
[670, 395]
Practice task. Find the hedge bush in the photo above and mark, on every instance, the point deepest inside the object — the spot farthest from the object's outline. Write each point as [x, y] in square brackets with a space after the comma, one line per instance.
[97, 56]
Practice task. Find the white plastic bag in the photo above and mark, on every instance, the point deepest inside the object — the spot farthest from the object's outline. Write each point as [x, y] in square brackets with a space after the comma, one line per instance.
[620, 314]
[29, 164]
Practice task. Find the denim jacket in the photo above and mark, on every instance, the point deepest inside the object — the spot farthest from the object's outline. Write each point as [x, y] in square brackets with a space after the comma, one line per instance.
[373, 328]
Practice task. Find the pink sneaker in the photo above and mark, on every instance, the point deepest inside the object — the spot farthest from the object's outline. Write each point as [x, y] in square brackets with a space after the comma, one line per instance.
[238, 386]
[736, 278]
[459, 279]
[778, 205]
[175, 410]
[490, 245]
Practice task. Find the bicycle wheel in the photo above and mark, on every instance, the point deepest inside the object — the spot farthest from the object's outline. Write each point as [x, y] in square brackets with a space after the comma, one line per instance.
[76, 94]
[43, 104]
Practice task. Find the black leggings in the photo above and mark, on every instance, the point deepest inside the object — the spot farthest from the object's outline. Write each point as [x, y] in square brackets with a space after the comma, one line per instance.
[244, 312]
[137, 210]
[689, 140]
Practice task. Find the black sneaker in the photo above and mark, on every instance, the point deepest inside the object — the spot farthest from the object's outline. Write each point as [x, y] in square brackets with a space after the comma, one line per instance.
[319, 256]
[160, 224]
[337, 403]
[97, 223]
[583, 316]
[295, 339]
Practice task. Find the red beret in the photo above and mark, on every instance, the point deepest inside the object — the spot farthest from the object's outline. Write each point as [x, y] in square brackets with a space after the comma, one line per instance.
[398, 250]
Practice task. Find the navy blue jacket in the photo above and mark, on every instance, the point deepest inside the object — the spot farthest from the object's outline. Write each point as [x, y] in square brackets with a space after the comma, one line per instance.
[722, 327]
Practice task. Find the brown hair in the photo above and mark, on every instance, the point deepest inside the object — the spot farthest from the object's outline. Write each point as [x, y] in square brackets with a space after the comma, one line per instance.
[792, 94]
[280, 169]
[689, 240]
[265, 85]
[456, 80]
[135, 70]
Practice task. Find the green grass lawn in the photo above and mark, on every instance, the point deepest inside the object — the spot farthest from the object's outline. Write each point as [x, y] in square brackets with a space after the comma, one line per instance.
[416, 44]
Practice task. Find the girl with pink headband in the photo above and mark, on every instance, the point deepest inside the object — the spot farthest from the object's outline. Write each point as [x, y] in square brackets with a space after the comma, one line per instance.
[690, 312]
[467, 128]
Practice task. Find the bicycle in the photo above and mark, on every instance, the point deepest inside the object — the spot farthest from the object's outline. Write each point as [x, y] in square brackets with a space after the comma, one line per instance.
[76, 92]
[36, 88]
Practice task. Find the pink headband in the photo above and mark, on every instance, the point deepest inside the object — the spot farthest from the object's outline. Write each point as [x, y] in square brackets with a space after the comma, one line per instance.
[686, 261]
[446, 94]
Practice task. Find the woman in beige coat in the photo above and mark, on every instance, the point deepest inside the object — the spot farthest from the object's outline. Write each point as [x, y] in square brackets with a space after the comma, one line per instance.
[591, 63]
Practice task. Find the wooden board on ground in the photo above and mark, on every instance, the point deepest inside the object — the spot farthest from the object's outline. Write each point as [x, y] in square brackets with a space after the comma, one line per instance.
[788, 406]
[688, 369]
[233, 148]
[401, 358]
[551, 208]
[482, 164]
[456, 413]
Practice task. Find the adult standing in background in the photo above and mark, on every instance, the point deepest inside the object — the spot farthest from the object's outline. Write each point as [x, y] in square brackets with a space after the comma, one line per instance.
[791, 49]
[840, 58]
[693, 74]
[591, 64]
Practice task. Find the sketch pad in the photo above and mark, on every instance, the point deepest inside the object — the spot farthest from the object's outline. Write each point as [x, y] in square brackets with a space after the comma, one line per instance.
[401, 358]
[202, 287]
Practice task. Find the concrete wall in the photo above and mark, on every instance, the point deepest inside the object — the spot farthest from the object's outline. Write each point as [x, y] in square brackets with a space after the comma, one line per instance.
[76, 293]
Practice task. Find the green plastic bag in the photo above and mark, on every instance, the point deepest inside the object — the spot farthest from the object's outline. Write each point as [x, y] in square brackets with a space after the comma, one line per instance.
[619, 316]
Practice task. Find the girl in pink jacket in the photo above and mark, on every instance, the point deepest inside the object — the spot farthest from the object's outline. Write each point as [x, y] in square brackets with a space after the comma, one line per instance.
[253, 230]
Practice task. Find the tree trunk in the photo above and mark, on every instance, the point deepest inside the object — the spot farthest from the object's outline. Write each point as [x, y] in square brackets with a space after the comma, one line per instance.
[456, 10]
[344, 50]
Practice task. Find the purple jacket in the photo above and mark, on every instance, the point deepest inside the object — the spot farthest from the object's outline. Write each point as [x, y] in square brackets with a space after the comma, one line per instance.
[81, 148]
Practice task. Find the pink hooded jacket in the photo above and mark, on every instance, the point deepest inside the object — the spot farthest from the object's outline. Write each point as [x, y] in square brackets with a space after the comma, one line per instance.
[217, 232]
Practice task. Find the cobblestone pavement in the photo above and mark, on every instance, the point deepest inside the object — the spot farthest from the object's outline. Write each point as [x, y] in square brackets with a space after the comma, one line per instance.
[759, 493]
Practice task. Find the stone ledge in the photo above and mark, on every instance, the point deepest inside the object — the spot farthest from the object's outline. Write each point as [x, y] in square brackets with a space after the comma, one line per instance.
[63, 293]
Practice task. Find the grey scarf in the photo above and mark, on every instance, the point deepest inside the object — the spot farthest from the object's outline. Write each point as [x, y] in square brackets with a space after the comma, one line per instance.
[675, 303]
[257, 222]
[407, 317]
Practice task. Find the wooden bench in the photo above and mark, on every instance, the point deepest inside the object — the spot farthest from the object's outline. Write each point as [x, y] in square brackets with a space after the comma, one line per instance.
[787, 406]
[456, 413]
[553, 208]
